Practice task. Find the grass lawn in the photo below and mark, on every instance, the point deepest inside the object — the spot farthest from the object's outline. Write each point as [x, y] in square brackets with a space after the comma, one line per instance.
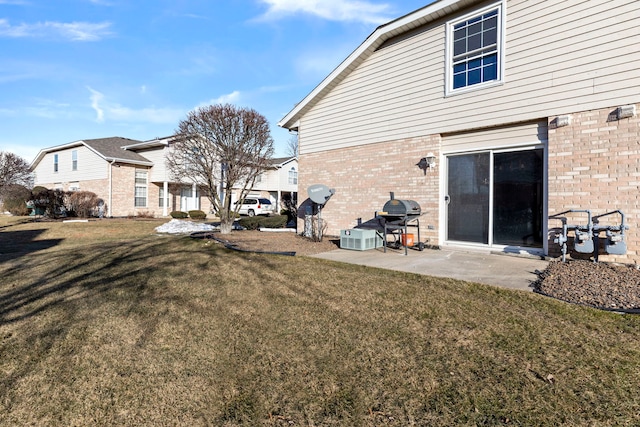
[106, 323]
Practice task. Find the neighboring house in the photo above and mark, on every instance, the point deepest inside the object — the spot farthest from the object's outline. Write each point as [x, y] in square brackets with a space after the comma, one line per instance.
[132, 179]
[278, 183]
[119, 177]
[528, 109]
[129, 176]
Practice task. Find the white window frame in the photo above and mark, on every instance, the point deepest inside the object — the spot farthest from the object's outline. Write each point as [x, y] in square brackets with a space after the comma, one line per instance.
[140, 190]
[55, 163]
[74, 160]
[293, 176]
[502, 19]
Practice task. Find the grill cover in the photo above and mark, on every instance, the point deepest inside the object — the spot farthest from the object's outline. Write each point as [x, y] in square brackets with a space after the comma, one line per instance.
[399, 207]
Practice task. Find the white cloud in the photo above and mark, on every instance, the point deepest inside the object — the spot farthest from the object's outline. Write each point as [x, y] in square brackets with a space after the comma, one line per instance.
[114, 112]
[333, 10]
[96, 98]
[230, 98]
[74, 31]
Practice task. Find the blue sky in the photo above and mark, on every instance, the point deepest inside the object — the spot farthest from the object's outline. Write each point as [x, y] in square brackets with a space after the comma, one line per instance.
[83, 69]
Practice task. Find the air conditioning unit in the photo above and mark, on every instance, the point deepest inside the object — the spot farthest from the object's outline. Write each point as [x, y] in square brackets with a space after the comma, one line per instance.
[360, 239]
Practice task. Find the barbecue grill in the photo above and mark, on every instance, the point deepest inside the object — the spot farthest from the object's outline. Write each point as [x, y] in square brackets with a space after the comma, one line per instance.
[398, 215]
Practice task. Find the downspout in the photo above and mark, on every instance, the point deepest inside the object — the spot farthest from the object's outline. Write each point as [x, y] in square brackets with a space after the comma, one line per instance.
[110, 187]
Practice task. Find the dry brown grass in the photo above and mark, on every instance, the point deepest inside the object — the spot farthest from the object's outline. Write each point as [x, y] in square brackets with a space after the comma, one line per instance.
[105, 323]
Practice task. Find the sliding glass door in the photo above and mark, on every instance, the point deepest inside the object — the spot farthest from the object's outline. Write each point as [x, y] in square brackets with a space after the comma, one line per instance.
[495, 198]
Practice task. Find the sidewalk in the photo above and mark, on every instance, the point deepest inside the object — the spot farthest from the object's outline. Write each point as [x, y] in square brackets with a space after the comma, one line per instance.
[509, 271]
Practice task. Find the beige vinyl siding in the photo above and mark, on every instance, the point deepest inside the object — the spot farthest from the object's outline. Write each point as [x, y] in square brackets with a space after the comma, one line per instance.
[560, 57]
[90, 167]
[159, 172]
[496, 138]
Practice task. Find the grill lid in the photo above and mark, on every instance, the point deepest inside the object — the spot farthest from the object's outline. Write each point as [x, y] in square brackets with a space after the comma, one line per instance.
[399, 207]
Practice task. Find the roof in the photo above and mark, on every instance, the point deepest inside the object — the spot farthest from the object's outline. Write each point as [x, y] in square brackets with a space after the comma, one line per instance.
[152, 143]
[110, 149]
[430, 13]
[279, 162]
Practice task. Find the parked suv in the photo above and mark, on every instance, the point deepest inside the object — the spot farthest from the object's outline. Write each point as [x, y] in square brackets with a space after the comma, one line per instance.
[252, 206]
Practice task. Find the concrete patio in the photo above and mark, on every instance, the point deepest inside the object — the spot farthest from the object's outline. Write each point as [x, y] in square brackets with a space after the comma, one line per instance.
[505, 270]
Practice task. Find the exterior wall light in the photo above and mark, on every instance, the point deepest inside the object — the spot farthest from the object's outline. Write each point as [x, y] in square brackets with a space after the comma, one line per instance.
[626, 111]
[563, 121]
[429, 161]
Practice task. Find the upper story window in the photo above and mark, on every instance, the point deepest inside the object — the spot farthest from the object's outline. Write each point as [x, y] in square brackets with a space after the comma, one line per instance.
[259, 178]
[74, 160]
[293, 176]
[475, 50]
[140, 200]
[55, 163]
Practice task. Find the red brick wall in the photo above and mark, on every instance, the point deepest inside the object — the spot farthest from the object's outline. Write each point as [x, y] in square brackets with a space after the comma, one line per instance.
[594, 163]
[364, 176]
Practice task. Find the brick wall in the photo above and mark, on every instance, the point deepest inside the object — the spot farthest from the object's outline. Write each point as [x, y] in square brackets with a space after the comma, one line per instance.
[364, 176]
[594, 163]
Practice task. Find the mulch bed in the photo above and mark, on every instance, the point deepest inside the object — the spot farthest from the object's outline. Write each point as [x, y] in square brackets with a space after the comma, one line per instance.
[601, 285]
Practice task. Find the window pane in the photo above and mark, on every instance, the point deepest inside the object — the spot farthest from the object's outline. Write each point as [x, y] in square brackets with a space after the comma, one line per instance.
[468, 190]
[459, 80]
[475, 77]
[494, 12]
[460, 68]
[474, 29]
[474, 42]
[489, 37]
[460, 47]
[518, 198]
[490, 73]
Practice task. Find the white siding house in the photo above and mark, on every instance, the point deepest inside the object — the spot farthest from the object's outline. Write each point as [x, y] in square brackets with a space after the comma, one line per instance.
[485, 87]
[132, 177]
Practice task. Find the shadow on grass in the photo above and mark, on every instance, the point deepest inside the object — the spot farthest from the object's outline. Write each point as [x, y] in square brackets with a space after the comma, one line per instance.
[50, 301]
[89, 273]
[15, 244]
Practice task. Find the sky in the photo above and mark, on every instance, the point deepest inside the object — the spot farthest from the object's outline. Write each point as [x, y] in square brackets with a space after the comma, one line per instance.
[85, 69]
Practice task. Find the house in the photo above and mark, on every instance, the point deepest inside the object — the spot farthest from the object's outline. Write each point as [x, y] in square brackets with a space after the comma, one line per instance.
[279, 182]
[492, 115]
[131, 176]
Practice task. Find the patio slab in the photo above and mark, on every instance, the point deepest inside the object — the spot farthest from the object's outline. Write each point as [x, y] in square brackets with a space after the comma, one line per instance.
[505, 270]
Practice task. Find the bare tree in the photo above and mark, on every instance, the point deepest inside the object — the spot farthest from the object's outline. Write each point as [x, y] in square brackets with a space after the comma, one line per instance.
[14, 170]
[292, 146]
[222, 148]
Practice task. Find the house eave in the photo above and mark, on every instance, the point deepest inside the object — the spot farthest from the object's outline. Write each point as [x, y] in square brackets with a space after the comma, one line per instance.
[157, 142]
[127, 161]
[45, 151]
[425, 15]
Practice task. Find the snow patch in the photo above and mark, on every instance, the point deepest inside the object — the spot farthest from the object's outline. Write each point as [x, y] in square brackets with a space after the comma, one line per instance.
[178, 226]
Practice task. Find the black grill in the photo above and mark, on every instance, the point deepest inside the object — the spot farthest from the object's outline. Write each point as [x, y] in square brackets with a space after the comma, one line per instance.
[398, 215]
[399, 211]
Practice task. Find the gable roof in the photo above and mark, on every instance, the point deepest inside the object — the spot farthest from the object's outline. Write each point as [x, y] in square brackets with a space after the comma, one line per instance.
[110, 149]
[279, 162]
[411, 21]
